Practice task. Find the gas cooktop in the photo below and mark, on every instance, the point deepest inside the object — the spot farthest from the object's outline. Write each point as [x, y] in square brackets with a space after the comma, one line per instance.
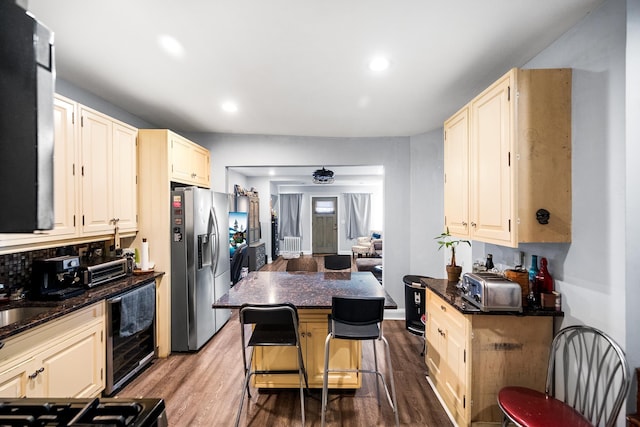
[83, 412]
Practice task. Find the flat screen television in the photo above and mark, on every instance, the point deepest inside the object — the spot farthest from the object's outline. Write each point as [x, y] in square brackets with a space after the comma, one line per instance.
[238, 222]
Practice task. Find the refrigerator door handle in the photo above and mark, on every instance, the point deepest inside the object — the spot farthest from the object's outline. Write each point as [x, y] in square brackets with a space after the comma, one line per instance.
[215, 244]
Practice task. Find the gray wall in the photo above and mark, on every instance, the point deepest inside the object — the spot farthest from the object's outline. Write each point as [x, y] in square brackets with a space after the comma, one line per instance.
[391, 152]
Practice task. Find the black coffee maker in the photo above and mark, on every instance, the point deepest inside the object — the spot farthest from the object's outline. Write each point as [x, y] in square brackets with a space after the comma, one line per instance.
[56, 278]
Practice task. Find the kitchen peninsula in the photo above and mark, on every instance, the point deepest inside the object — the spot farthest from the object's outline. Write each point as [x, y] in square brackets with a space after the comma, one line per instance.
[471, 354]
[311, 293]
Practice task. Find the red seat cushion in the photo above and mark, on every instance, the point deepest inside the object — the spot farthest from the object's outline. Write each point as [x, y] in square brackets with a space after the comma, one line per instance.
[534, 409]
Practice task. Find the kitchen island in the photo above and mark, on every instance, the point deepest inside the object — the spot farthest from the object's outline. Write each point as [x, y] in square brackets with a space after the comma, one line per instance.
[471, 354]
[311, 293]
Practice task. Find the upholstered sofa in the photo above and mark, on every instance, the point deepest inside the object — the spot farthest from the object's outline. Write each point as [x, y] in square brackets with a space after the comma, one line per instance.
[368, 246]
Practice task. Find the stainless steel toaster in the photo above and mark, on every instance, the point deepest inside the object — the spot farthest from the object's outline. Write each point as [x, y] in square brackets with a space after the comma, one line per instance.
[491, 292]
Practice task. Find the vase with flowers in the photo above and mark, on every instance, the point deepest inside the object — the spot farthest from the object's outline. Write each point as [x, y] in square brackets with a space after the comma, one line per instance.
[446, 240]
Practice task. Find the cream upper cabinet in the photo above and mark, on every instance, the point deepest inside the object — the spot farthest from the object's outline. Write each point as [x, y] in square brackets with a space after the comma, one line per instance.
[125, 177]
[64, 179]
[189, 161]
[109, 170]
[490, 171]
[64, 167]
[519, 161]
[456, 180]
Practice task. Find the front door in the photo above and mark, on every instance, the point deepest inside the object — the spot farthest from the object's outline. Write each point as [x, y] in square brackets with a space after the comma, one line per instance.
[324, 225]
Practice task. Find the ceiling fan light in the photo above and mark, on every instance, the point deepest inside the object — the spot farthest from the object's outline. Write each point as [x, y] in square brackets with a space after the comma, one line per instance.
[323, 176]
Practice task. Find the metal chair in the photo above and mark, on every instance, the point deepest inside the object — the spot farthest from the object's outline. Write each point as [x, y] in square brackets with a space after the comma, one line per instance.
[354, 318]
[337, 262]
[273, 325]
[587, 383]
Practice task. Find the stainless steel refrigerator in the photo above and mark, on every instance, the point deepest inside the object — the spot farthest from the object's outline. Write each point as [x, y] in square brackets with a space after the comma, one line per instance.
[200, 268]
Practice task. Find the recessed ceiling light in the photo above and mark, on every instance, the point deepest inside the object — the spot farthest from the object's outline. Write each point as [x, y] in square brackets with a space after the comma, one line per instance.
[379, 63]
[171, 45]
[230, 107]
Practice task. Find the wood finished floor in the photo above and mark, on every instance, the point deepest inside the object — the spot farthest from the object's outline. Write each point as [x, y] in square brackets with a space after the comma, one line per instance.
[203, 388]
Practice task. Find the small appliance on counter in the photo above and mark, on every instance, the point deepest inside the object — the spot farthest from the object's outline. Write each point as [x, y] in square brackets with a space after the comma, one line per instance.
[491, 292]
[102, 270]
[56, 278]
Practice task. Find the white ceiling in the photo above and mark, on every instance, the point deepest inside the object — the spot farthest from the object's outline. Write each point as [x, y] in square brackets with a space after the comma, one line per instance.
[298, 67]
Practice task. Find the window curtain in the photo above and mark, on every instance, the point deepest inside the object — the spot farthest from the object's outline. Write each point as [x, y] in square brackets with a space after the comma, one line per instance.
[290, 205]
[358, 214]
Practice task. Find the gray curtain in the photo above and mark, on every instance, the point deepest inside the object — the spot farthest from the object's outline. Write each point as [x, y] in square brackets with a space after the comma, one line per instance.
[358, 214]
[290, 205]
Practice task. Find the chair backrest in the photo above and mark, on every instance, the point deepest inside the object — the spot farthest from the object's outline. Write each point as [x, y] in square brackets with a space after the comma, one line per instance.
[283, 315]
[589, 371]
[357, 310]
[337, 262]
[302, 264]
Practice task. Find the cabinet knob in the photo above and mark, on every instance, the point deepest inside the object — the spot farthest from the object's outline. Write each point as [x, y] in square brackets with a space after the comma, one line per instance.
[464, 223]
[473, 224]
[309, 334]
[443, 308]
[303, 335]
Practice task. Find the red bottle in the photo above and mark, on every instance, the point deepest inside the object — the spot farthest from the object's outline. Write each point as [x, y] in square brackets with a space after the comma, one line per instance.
[544, 281]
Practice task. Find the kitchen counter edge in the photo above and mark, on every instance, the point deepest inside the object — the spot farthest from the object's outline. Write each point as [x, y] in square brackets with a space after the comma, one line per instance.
[64, 307]
[449, 292]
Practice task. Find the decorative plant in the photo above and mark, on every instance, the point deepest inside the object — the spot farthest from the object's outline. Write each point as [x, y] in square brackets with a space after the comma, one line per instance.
[448, 241]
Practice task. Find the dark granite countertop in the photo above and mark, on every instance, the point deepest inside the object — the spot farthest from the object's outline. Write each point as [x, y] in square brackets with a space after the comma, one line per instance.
[302, 289]
[60, 308]
[453, 295]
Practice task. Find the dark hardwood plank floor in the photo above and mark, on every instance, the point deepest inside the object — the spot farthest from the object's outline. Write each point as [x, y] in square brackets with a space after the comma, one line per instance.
[203, 388]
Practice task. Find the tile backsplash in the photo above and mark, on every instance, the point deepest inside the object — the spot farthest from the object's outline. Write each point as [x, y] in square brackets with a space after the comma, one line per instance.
[15, 268]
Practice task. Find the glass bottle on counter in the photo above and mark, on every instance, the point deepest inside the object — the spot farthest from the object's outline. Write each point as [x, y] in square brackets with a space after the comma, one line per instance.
[533, 299]
[489, 264]
[544, 281]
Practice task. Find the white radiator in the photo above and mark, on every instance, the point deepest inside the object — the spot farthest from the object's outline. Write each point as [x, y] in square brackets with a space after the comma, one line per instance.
[290, 247]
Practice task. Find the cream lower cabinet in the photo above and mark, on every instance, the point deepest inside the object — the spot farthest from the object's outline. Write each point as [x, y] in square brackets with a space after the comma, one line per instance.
[63, 358]
[313, 332]
[470, 357]
[508, 161]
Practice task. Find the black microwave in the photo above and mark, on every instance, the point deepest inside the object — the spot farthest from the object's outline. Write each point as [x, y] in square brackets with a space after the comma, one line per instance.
[27, 77]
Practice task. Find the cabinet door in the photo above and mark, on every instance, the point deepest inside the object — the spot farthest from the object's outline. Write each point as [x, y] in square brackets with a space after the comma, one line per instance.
[14, 378]
[200, 163]
[456, 173]
[64, 173]
[124, 175]
[74, 367]
[97, 154]
[447, 334]
[181, 168]
[64, 179]
[344, 354]
[456, 378]
[491, 178]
